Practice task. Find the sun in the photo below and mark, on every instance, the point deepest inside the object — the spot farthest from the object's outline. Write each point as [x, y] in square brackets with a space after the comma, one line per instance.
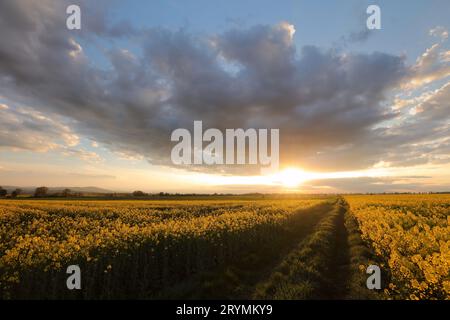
[292, 177]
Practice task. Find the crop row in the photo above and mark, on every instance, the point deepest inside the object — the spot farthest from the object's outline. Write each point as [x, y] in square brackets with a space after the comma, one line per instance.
[129, 249]
[411, 233]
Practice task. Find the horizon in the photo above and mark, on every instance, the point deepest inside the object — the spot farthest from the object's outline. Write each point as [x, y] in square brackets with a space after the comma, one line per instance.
[84, 190]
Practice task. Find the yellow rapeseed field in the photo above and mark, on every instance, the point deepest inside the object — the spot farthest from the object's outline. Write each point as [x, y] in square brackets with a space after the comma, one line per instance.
[41, 237]
[227, 248]
[412, 235]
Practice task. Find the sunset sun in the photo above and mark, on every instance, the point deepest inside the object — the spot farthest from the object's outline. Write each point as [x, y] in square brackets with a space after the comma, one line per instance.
[292, 177]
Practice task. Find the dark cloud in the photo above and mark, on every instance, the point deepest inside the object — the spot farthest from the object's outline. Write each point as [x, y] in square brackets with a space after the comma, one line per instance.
[328, 104]
[355, 37]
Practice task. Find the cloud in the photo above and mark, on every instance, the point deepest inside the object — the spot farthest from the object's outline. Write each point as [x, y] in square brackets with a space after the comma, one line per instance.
[431, 66]
[28, 129]
[23, 128]
[82, 154]
[92, 176]
[331, 106]
[374, 184]
[439, 32]
[355, 37]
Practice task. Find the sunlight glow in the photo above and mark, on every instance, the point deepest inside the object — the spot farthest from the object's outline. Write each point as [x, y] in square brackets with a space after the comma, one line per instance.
[289, 178]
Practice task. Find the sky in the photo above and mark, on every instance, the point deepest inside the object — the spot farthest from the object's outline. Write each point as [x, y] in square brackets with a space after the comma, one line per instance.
[357, 110]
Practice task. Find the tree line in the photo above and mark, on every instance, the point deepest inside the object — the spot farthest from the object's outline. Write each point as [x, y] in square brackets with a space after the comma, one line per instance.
[41, 192]
[14, 193]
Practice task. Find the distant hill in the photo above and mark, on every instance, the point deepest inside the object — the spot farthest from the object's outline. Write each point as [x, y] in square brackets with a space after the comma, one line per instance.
[89, 189]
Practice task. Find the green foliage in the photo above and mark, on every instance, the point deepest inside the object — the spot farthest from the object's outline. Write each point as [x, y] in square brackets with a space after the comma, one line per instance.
[305, 272]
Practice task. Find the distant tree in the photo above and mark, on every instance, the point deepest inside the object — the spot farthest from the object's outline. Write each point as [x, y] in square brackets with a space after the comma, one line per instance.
[41, 192]
[15, 193]
[66, 193]
[3, 192]
[139, 193]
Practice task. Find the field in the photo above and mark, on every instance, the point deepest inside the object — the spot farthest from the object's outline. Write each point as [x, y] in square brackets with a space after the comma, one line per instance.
[303, 247]
[411, 233]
